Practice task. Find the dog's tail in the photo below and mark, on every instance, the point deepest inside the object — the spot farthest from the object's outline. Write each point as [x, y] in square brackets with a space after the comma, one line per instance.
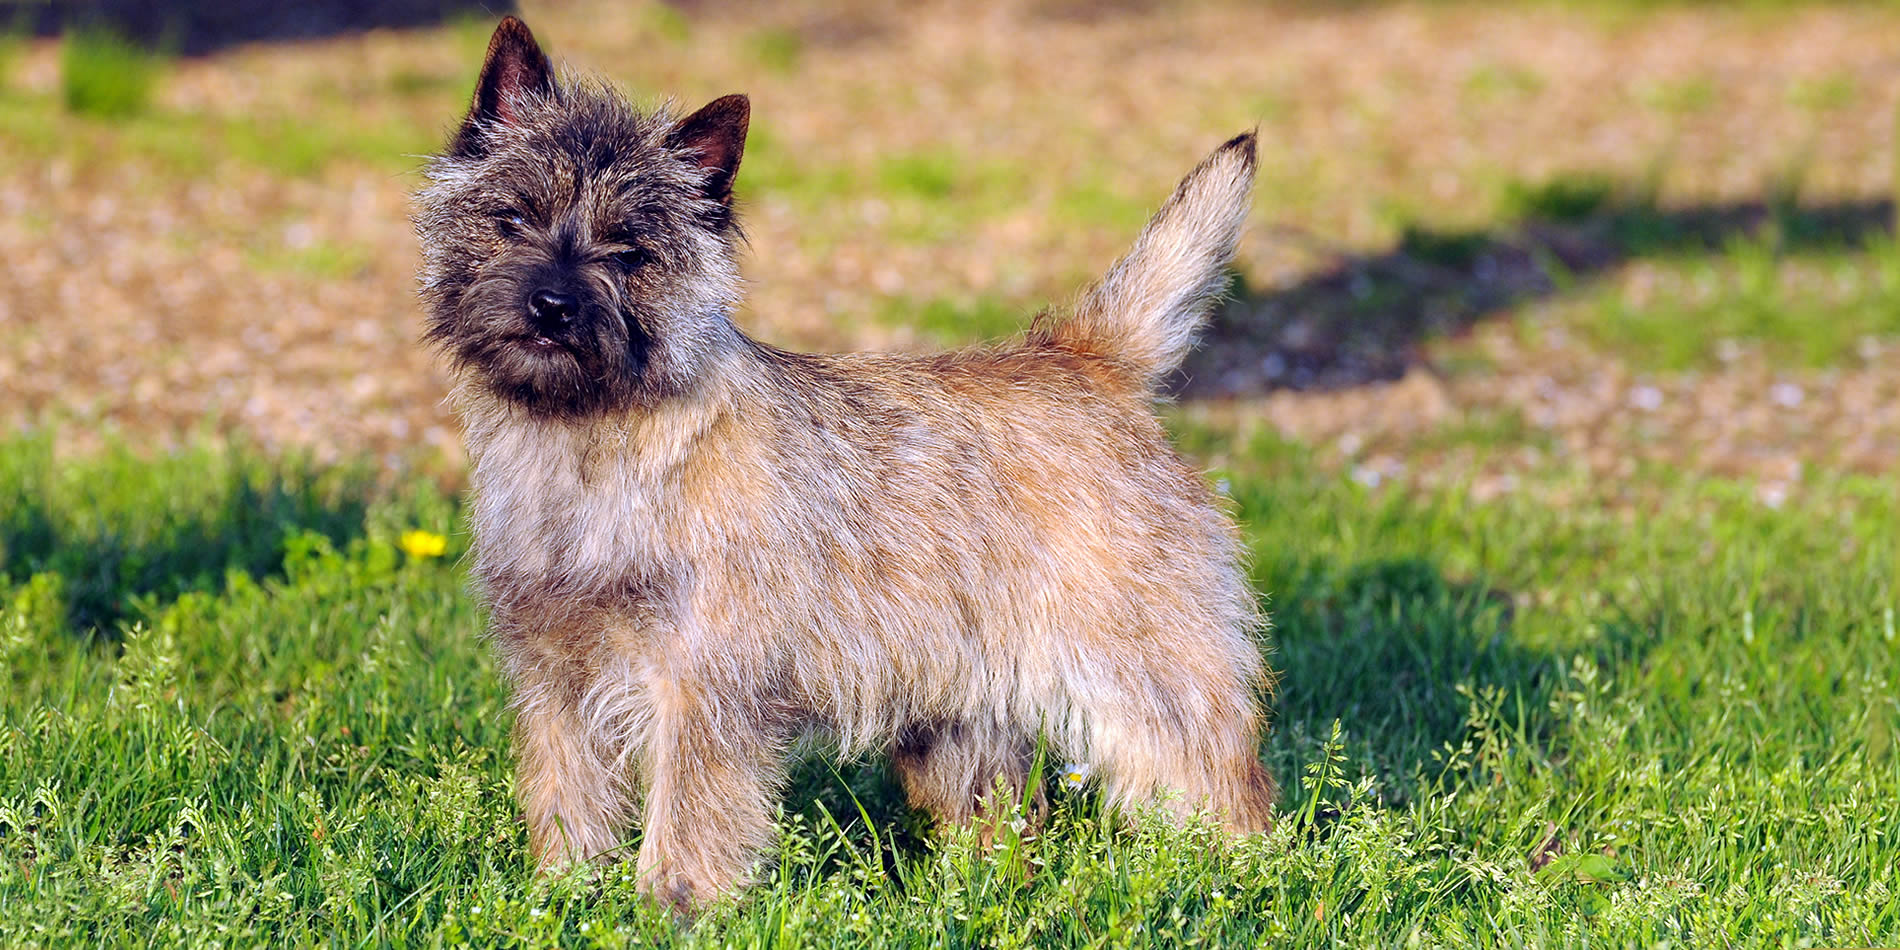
[1146, 310]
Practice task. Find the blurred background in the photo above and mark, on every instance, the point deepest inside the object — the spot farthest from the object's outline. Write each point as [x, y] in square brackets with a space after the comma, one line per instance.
[1503, 245]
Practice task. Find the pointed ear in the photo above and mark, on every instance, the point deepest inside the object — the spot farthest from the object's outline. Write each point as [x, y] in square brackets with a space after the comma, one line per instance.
[716, 136]
[515, 67]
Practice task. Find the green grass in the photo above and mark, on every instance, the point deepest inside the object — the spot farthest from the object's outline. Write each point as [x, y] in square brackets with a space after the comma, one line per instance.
[1486, 431]
[104, 118]
[1670, 288]
[950, 321]
[232, 709]
[1491, 83]
[931, 196]
[1566, 198]
[1096, 206]
[192, 145]
[322, 259]
[1809, 308]
[778, 49]
[105, 75]
[13, 33]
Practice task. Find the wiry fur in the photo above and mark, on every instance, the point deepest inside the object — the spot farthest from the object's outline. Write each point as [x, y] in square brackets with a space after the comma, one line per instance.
[1148, 307]
[691, 564]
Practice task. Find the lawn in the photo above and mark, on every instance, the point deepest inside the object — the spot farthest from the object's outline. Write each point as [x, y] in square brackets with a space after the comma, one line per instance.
[237, 710]
[1556, 399]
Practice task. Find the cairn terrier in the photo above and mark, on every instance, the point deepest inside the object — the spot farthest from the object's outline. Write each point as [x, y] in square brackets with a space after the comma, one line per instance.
[696, 548]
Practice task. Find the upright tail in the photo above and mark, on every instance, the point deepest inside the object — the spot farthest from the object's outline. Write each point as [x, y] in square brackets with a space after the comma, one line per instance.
[1146, 311]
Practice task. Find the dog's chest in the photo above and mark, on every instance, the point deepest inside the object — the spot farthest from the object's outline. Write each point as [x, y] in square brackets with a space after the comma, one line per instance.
[573, 512]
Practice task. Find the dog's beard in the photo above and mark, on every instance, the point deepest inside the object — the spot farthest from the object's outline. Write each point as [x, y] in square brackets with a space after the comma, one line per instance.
[596, 364]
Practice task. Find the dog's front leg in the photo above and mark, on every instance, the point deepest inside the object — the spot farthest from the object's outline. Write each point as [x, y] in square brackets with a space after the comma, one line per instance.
[709, 774]
[573, 791]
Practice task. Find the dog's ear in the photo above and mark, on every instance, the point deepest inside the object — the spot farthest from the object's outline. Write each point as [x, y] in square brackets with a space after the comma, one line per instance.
[716, 137]
[515, 72]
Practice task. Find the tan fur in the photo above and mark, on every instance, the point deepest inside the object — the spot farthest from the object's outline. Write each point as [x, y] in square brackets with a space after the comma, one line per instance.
[1005, 546]
[942, 556]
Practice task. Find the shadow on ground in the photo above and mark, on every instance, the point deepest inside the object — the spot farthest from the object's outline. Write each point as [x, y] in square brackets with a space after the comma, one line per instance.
[1362, 319]
[1385, 647]
[114, 541]
[197, 27]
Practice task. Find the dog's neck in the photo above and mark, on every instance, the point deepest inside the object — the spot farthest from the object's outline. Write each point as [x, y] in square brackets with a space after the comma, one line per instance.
[653, 437]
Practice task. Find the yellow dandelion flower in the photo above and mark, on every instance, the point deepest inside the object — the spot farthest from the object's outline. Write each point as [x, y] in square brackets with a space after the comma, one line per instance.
[422, 544]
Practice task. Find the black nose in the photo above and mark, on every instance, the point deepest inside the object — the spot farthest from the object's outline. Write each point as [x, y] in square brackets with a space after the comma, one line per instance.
[552, 311]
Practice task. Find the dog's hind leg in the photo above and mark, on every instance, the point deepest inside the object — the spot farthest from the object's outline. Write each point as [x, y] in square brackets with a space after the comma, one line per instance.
[1186, 747]
[956, 770]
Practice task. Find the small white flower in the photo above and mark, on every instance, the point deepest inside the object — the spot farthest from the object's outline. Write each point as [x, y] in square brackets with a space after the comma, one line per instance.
[1076, 774]
[1646, 398]
[1772, 494]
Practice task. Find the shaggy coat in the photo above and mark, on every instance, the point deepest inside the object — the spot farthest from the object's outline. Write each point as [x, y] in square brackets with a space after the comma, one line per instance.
[696, 548]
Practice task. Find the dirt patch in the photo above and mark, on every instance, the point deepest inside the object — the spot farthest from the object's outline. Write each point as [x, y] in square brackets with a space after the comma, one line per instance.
[152, 300]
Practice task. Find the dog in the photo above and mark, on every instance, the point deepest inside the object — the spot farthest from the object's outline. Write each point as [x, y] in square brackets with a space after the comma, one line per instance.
[696, 548]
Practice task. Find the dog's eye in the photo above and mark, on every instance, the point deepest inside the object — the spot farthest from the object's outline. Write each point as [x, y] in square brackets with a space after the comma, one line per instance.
[632, 258]
[510, 222]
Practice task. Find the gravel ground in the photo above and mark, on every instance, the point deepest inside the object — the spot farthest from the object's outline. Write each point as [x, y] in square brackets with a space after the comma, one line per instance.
[152, 302]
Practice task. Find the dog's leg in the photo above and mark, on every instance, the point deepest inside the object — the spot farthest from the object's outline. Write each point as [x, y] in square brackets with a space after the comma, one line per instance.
[1236, 789]
[709, 780]
[953, 771]
[572, 789]
[1186, 747]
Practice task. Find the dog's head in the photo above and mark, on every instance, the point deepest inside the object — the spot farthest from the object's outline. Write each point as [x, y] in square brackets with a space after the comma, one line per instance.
[578, 255]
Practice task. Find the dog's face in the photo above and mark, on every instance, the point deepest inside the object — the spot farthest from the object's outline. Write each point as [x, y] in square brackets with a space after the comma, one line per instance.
[578, 255]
